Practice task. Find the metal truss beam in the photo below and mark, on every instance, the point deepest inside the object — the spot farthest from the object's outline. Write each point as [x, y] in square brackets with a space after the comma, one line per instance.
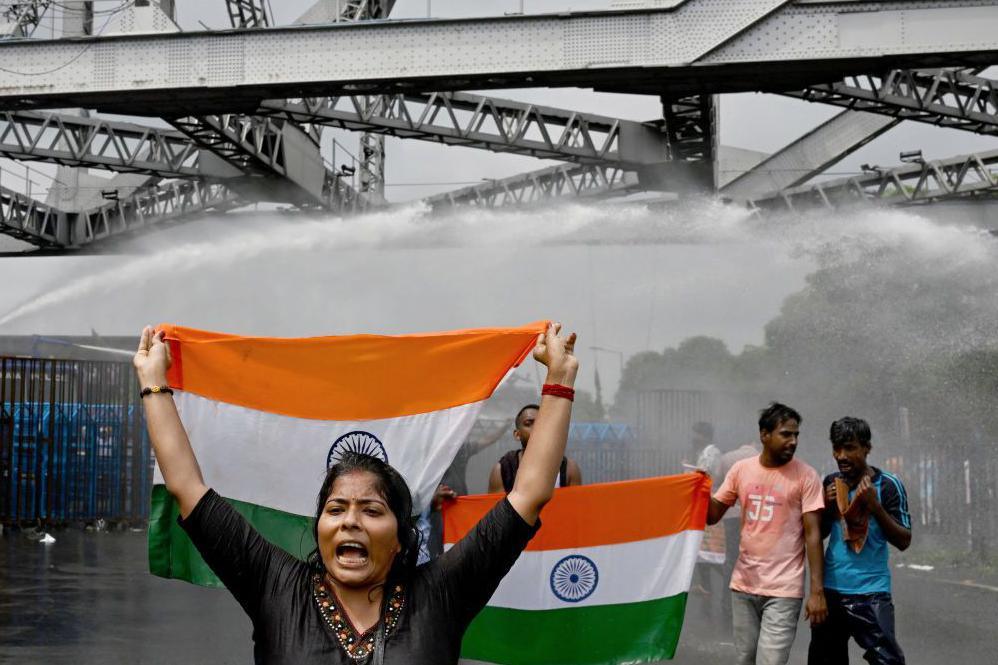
[19, 19]
[953, 98]
[49, 228]
[365, 10]
[809, 155]
[499, 125]
[245, 142]
[156, 204]
[449, 118]
[72, 140]
[690, 125]
[372, 146]
[282, 161]
[690, 120]
[247, 13]
[545, 185]
[693, 47]
[257, 146]
[924, 182]
[26, 219]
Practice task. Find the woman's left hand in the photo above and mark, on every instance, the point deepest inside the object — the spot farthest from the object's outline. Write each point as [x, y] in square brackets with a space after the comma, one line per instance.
[557, 353]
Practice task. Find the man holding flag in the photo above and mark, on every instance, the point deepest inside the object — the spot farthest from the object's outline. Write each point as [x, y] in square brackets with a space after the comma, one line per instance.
[781, 501]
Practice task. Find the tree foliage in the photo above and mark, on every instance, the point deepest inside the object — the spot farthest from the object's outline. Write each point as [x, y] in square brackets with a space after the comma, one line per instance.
[865, 337]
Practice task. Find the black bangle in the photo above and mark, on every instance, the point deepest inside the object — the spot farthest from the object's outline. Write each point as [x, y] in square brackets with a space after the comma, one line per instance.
[155, 389]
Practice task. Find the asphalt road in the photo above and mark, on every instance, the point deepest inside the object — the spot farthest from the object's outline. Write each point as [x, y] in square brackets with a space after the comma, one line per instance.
[944, 617]
[88, 600]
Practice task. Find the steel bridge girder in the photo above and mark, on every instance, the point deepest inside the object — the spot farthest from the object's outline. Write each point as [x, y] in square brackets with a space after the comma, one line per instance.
[577, 181]
[917, 183]
[150, 206]
[26, 219]
[21, 18]
[948, 97]
[637, 50]
[498, 125]
[247, 13]
[93, 142]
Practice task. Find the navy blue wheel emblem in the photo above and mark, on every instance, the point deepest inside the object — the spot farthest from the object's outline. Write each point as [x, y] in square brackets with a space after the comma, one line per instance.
[574, 578]
[364, 443]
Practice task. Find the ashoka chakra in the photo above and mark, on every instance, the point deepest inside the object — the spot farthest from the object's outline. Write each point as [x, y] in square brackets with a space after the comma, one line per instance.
[364, 443]
[574, 578]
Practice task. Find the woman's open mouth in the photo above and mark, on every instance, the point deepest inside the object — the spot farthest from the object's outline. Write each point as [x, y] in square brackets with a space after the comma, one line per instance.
[351, 554]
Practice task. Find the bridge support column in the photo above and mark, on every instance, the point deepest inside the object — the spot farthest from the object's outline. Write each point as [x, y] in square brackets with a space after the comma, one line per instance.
[690, 125]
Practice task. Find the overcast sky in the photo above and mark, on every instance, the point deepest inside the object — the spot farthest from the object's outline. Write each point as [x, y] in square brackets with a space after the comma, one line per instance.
[434, 296]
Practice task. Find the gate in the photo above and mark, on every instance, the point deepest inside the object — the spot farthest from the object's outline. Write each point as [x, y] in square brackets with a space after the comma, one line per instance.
[73, 445]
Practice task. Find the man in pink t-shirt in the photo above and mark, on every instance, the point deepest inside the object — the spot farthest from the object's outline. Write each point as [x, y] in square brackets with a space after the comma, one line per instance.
[781, 501]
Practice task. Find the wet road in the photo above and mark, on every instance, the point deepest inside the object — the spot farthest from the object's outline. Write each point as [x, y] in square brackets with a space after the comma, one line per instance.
[88, 600]
[943, 618]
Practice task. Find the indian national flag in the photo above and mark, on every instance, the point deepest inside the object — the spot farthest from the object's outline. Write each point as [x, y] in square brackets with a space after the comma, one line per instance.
[267, 417]
[604, 580]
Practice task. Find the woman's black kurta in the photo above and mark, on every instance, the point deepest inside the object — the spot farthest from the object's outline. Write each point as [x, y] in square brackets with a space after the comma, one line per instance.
[276, 589]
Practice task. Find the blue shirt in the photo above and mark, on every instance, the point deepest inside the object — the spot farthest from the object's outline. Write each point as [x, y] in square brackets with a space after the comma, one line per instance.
[867, 572]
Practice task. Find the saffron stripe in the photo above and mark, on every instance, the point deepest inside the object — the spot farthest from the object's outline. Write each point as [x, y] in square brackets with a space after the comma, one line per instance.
[613, 512]
[351, 377]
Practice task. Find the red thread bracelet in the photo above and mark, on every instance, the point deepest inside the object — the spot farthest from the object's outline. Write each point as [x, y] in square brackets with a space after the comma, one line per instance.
[558, 390]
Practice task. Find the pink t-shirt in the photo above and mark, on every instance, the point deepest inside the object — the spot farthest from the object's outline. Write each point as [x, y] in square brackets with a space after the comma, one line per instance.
[771, 549]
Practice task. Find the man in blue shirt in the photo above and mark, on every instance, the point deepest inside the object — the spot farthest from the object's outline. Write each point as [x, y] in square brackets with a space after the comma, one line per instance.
[858, 583]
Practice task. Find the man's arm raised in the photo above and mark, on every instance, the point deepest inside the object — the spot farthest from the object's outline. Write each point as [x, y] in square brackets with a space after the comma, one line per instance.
[169, 439]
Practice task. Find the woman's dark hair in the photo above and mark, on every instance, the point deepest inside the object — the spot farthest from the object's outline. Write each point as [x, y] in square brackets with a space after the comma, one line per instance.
[394, 490]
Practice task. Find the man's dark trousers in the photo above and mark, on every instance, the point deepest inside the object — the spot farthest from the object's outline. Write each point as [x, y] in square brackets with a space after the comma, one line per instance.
[866, 618]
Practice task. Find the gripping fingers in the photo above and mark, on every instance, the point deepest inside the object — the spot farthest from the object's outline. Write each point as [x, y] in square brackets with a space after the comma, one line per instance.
[551, 334]
[143, 351]
[570, 343]
[144, 340]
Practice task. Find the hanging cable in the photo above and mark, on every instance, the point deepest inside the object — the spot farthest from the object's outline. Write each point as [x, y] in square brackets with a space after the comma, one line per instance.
[79, 55]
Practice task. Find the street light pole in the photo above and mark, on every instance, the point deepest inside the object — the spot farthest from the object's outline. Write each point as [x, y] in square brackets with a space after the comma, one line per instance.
[620, 355]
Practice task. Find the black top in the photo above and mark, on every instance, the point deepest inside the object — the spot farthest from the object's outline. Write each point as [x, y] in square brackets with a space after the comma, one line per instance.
[276, 590]
[456, 475]
[509, 464]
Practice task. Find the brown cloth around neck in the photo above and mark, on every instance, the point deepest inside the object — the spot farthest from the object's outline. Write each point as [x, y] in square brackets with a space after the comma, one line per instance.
[854, 516]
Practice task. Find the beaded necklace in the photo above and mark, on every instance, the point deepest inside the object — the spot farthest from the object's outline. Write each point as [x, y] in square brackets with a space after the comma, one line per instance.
[358, 647]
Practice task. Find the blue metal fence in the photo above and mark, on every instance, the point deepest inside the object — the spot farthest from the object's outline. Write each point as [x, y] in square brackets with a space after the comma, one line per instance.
[73, 445]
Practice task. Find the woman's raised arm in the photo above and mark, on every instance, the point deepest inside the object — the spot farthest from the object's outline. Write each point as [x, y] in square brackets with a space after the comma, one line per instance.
[169, 439]
[535, 478]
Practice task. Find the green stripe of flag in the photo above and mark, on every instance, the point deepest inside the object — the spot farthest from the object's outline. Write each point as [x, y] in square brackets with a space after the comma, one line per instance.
[173, 555]
[606, 634]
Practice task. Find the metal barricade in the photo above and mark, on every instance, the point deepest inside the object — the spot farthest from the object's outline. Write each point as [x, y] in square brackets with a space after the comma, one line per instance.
[73, 445]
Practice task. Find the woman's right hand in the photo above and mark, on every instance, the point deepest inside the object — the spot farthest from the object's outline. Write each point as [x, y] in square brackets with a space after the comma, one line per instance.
[152, 359]
[557, 353]
[174, 454]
